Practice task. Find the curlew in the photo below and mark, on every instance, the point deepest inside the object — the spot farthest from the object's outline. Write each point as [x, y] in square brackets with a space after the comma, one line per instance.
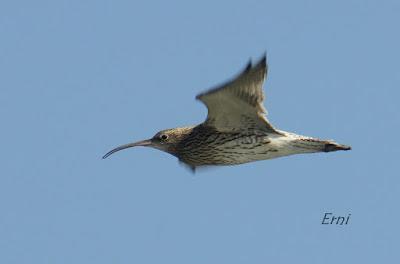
[236, 130]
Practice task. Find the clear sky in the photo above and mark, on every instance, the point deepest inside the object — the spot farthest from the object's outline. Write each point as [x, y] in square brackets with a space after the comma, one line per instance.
[78, 78]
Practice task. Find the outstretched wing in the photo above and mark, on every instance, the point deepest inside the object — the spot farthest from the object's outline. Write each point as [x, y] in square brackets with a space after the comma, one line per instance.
[237, 104]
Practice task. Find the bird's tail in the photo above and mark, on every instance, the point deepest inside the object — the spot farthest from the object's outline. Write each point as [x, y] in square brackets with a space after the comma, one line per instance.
[318, 145]
[328, 147]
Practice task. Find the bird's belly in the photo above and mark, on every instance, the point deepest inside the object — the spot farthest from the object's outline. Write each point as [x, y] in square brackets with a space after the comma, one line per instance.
[248, 153]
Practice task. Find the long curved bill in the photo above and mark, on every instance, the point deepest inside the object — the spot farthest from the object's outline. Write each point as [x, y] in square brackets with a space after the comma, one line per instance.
[146, 142]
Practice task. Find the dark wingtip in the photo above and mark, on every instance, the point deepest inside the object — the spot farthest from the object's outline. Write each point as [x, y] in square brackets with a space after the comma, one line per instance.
[264, 58]
[262, 63]
[248, 66]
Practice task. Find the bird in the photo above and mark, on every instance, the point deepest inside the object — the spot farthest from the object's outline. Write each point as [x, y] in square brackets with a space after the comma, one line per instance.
[236, 129]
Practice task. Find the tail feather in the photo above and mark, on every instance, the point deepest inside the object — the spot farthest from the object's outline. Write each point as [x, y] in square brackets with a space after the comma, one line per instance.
[335, 147]
[317, 145]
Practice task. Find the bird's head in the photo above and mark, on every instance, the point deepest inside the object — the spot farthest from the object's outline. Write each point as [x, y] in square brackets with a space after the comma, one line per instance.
[164, 140]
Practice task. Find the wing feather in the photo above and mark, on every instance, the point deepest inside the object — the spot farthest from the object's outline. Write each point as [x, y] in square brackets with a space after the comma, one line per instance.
[238, 104]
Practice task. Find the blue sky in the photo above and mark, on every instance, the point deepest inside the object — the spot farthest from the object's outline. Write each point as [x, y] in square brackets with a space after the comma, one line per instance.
[81, 77]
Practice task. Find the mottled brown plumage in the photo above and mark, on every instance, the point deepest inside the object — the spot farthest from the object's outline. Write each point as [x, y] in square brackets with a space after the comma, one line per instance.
[236, 129]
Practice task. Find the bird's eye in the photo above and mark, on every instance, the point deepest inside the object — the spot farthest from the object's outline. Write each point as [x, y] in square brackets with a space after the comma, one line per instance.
[164, 137]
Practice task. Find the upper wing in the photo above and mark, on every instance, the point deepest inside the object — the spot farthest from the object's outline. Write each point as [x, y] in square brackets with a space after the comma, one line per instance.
[237, 104]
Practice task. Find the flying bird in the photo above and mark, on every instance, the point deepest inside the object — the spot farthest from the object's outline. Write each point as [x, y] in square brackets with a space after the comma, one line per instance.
[236, 130]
